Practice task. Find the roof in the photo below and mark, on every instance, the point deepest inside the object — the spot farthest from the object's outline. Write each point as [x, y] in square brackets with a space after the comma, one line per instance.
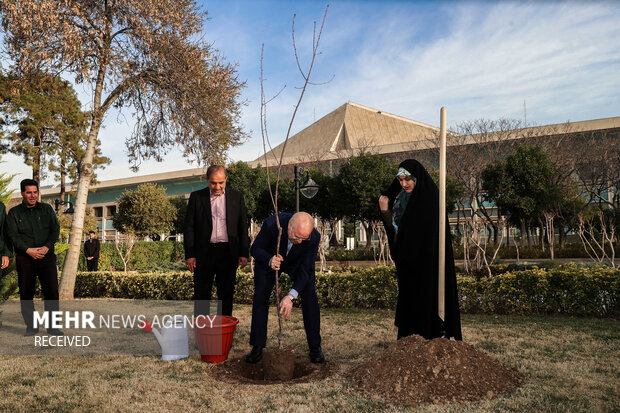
[350, 127]
[353, 127]
[127, 182]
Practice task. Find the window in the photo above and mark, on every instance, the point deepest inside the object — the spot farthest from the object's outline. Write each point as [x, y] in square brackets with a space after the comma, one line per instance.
[98, 212]
[110, 210]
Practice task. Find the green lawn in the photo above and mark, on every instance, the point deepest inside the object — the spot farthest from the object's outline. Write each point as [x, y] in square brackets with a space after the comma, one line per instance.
[572, 364]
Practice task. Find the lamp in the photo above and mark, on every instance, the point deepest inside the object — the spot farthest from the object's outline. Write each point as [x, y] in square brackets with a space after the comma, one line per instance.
[308, 189]
[58, 202]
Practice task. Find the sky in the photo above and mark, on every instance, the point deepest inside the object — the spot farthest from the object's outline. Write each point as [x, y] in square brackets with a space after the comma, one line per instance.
[479, 59]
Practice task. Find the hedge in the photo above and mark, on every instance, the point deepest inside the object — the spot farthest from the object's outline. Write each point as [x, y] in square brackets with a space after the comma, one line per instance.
[146, 255]
[568, 289]
[169, 255]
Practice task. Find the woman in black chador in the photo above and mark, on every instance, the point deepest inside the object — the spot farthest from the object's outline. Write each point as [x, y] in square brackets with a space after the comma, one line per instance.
[410, 214]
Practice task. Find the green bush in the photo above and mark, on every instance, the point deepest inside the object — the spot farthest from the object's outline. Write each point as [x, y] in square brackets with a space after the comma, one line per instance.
[8, 281]
[568, 289]
[146, 256]
[572, 250]
[341, 254]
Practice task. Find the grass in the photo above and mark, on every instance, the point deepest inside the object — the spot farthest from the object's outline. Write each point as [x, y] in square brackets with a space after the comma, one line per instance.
[573, 365]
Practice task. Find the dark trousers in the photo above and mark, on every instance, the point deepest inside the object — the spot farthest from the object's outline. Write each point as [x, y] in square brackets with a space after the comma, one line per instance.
[93, 265]
[216, 263]
[264, 281]
[28, 269]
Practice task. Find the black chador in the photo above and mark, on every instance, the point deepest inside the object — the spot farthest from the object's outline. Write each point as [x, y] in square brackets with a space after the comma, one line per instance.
[414, 246]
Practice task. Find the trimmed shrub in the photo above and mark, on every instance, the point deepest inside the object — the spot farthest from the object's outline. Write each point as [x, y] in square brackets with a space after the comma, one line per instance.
[572, 250]
[568, 289]
[146, 256]
[358, 254]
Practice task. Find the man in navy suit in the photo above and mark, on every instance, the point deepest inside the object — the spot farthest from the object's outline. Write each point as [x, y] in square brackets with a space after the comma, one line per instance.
[216, 240]
[295, 256]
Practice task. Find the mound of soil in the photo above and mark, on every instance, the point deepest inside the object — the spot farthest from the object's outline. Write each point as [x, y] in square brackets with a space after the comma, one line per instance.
[277, 366]
[414, 370]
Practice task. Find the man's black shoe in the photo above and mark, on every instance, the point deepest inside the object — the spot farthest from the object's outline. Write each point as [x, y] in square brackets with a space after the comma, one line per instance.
[30, 331]
[255, 355]
[55, 332]
[316, 355]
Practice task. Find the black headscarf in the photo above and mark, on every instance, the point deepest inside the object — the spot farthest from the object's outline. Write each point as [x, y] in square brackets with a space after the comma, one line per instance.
[415, 249]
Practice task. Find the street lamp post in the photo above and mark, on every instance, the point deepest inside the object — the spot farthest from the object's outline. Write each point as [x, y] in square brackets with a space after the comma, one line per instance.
[58, 202]
[308, 189]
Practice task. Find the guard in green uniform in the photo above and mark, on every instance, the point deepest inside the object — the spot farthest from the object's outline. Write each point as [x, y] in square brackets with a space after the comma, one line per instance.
[33, 229]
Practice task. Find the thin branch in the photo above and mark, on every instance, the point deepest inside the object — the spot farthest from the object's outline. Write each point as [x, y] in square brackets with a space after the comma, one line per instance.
[264, 134]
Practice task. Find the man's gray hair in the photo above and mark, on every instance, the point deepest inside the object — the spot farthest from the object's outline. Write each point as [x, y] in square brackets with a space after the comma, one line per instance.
[214, 168]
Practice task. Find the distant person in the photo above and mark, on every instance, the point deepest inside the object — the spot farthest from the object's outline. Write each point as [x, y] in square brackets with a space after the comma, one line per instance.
[410, 214]
[92, 247]
[216, 240]
[33, 229]
[5, 251]
[295, 256]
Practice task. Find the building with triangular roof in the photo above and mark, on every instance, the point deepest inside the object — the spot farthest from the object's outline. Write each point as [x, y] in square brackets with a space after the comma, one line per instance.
[340, 134]
[349, 129]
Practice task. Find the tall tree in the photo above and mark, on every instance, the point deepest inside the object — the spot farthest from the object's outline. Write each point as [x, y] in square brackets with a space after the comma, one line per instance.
[363, 177]
[5, 192]
[145, 211]
[454, 190]
[490, 140]
[523, 184]
[145, 54]
[42, 120]
[252, 182]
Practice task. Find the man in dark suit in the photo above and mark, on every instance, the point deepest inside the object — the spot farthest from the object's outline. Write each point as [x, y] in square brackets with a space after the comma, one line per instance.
[216, 240]
[295, 256]
[91, 252]
[5, 251]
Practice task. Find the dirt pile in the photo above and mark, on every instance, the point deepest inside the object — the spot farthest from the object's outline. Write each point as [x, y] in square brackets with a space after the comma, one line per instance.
[414, 370]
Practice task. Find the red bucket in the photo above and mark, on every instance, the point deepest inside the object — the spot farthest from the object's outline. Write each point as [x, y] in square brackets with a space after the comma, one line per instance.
[214, 336]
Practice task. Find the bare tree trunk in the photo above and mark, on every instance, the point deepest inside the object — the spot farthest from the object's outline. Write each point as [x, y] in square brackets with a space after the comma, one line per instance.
[63, 176]
[550, 231]
[323, 244]
[368, 230]
[69, 271]
[333, 240]
[36, 165]
[541, 237]
[524, 233]
[465, 238]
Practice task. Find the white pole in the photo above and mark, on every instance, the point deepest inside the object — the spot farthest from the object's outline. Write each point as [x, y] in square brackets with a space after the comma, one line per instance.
[442, 215]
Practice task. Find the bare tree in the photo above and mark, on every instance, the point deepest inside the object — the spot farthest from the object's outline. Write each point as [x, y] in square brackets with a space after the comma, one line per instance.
[598, 234]
[471, 146]
[316, 38]
[383, 256]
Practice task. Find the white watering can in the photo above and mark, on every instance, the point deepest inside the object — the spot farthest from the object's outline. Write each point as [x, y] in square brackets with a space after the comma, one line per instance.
[172, 338]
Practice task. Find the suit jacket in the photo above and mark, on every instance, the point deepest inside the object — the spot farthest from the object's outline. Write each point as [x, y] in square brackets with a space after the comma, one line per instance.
[199, 224]
[5, 247]
[91, 249]
[298, 263]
